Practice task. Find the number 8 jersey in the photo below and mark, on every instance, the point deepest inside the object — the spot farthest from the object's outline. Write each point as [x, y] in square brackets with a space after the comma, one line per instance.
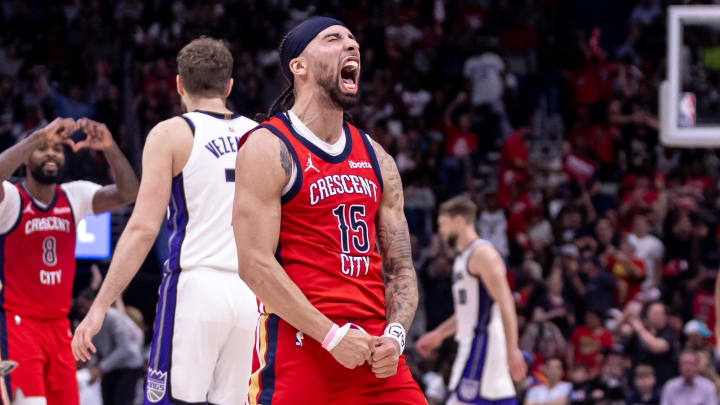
[37, 258]
[327, 232]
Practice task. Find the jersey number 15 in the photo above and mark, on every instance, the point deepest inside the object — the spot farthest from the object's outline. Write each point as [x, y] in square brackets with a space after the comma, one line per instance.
[351, 221]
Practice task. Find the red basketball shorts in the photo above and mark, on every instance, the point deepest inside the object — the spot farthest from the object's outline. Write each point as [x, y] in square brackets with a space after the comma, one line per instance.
[289, 369]
[46, 367]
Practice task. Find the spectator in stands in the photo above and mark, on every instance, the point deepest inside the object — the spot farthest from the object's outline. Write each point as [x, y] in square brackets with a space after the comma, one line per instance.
[414, 97]
[553, 306]
[606, 237]
[514, 163]
[599, 286]
[645, 391]
[544, 341]
[573, 285]
[485, 71]
[588, 343]
[707, 368]
[120, 354]
[648, 248]
[585, 389]
[492, 223]
[696, 335]
[460, 144]
[554, 391]
[436, 280]
[652, 342]
[629, 269]
[689, 387]
[614, 377]
[540, 231]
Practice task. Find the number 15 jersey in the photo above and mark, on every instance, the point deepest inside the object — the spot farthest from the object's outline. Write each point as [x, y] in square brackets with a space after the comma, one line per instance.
[327, 231]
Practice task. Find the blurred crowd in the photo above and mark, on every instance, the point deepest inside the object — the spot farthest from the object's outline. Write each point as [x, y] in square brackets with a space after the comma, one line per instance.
[543, 111]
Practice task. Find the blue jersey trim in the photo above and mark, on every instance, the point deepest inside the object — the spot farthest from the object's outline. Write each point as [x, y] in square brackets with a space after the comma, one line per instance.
[163, 331]
[39, 208]
[267, 375]
[190, 124]
[177, 223]
[373, 157]
[220, 116]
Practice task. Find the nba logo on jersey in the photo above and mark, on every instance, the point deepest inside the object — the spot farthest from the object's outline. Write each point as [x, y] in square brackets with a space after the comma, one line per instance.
[156, 385]
[299, 338]
[468, 389]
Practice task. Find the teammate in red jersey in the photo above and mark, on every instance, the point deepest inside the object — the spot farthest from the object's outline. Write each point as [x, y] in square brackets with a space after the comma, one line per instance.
[38, 220]
[313, 189]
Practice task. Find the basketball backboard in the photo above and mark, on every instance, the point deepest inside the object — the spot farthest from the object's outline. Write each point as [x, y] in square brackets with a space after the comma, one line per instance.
[689, 106]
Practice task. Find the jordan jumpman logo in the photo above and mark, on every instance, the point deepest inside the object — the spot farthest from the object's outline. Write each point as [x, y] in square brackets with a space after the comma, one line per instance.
[310, 164]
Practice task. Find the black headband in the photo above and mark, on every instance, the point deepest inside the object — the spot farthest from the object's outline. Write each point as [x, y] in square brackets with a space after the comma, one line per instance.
[299, 37]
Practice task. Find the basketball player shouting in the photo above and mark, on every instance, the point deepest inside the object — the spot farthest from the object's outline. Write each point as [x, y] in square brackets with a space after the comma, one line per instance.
[314, 189]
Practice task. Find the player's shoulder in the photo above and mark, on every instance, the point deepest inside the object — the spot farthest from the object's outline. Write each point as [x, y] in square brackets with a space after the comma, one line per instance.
[484, 252]
[9, 186]
[171, 126]
[79, 192]
[173, 134]
[384, 159]
[79, 185]
[260, 145]
[262, 151]
[245, 123]
[11, 192]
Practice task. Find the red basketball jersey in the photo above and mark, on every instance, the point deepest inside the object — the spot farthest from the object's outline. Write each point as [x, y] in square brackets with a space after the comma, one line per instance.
[327, 233]
[37, 259]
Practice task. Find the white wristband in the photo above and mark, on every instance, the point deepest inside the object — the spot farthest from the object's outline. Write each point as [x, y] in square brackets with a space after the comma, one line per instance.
[339, 335]
[397, 332]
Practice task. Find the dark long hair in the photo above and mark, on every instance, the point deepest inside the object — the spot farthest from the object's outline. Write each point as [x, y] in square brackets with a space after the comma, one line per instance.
[286, 99]
[284, 102]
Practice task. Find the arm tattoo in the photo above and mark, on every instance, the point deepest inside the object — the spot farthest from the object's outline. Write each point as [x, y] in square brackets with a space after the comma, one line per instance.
[401, 293]
[285, 159]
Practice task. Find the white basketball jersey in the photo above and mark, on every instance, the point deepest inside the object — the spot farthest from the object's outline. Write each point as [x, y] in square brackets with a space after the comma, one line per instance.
[200, 211]
[481, 356]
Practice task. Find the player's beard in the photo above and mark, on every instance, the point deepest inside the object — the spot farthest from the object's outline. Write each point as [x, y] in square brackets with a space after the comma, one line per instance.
[46, 178]
[330, 84]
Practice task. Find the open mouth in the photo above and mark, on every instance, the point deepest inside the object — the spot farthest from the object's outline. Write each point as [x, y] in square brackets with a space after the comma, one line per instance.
[349, 74]
[50, 165]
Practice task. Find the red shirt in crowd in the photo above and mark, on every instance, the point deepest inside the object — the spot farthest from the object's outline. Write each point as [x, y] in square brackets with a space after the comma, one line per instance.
[592, 83]
[514, 149]
[459, 143]
[510, 173]
[588, 346]
[699, 183]
[517, 215]
[598, 139]
[620, 271]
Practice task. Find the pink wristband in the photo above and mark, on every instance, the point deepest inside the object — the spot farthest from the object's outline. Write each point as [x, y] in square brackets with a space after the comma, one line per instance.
[329, 336]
